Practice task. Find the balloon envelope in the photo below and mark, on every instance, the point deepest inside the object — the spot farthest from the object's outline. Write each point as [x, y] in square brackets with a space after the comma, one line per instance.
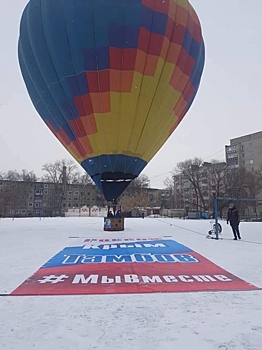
[112, 79]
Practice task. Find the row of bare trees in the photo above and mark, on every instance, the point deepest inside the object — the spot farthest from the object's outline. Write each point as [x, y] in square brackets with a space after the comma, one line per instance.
[61, 173]
[192, 182]
[52, 172]
[202, 181]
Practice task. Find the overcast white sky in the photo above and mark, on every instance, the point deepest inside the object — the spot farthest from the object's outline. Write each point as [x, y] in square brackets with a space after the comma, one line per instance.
[227, 105]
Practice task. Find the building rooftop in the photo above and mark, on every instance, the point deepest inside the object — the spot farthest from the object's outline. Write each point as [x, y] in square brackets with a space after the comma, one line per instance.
[248, 137]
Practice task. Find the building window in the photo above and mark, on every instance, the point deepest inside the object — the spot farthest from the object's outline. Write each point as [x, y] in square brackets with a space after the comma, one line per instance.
[76, 193]
[45, 185]
[250, 145]
[1, 184]
[243, 155]
[30, 204]
[251, 161]
[70, 192]
[243, 162]
[242, 147]
[45, 192]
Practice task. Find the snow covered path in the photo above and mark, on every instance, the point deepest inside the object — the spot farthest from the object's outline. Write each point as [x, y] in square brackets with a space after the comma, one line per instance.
[203, 321]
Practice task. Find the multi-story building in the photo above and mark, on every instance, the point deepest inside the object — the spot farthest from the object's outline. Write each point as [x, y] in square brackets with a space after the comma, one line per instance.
[27, 199]
[200, 195]
[76, 196]
[245, 152]
[159, 198]
[20, 198]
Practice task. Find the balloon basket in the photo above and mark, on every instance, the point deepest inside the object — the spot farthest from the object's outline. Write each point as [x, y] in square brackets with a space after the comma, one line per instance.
[114, 224]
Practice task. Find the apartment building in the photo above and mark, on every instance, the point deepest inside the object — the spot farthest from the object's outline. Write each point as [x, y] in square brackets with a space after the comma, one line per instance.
[159, 198]
[185, 194]
[245, 152]
[27, 199]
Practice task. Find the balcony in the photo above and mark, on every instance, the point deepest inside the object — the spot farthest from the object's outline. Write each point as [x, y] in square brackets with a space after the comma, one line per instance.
[38, 192]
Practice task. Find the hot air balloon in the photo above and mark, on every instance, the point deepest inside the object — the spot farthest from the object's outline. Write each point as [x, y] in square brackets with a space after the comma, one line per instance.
[112, 79]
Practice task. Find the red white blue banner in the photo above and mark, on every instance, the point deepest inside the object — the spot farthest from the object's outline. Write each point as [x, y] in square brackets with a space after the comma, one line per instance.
[135, 265]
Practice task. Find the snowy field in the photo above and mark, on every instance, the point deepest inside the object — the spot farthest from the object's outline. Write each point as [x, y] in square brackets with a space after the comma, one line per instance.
[199, 321]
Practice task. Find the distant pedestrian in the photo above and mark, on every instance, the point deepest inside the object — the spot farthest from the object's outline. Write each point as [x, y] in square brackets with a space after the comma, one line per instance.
[233, 219]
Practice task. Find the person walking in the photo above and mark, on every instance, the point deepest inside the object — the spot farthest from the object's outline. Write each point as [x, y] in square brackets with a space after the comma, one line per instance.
[233, 219]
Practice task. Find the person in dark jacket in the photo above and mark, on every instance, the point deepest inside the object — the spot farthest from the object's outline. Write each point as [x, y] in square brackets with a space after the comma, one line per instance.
[118, 214]
[233, 219]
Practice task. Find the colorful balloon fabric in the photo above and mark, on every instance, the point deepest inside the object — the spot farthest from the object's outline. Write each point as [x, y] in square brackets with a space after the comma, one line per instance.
[112, 79]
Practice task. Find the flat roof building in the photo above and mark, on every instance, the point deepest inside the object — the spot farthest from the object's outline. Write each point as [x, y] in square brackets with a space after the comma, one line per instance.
[245, 152]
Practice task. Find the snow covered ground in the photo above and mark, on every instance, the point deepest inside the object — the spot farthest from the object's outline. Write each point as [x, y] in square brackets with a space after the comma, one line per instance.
[199, 321]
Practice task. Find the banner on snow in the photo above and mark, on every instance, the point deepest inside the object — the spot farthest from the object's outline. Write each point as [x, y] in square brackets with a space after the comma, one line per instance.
[135, 265]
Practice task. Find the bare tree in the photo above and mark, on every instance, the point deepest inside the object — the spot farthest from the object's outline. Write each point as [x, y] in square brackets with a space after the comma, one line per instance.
[169, 182]
[205, 180]
[134, 202]
[84, 179]
[218, 184]
[236, 183]
[219, 171]
[14, 175]
[28, 176]
[191, 171]
[139, 184]
[239, 183]
[53, 172]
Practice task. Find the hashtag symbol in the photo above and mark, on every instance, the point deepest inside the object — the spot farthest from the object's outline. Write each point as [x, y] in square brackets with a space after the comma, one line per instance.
[53, 279]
